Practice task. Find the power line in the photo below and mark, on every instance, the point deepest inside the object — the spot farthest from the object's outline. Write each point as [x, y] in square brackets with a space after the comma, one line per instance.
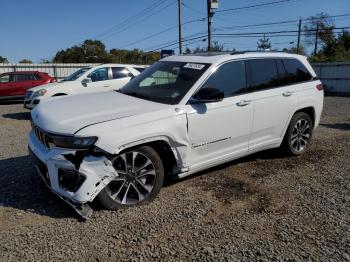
[139, 21]
[163, 31]
[251, 6]
[157, 46]
[175, 43]
[276, 23]
[276, 32]
[125, 21]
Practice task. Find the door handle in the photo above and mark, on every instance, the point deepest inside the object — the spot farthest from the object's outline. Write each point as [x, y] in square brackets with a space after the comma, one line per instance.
[288, 93]
[106, 85]
[244, 102]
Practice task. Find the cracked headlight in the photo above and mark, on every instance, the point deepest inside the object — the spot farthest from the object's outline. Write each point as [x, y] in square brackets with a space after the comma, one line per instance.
[40, 92]
[73, 142]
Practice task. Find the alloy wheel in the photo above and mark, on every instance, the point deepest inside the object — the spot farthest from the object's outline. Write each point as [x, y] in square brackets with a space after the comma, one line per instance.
[300, 135]
[137, 176]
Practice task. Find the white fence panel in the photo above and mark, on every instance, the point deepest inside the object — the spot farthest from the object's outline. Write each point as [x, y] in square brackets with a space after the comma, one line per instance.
[59, 71]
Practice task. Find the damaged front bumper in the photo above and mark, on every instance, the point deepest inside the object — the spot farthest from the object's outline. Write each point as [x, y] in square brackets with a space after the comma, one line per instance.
[75, 182]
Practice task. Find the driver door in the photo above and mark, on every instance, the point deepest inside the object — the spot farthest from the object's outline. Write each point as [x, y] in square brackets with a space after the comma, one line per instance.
[100, 81]
[219, 131]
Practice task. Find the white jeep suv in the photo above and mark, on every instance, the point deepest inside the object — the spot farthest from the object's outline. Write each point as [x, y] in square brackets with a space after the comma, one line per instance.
[182, 115]
[99, 78]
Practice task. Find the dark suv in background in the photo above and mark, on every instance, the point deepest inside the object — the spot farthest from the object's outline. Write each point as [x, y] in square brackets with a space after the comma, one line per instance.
[13, 85]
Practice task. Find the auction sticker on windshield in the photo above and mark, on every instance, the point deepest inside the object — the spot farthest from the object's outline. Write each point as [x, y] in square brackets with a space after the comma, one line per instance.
[194, 66]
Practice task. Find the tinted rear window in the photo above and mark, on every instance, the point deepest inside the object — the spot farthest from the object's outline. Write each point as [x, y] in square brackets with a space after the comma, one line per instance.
[296, 72]
[25, 77]
[263, 74]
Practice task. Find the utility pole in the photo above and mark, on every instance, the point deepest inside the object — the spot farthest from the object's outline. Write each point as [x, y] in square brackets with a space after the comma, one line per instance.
[316, 40]
[179, 17]
[209, 23]
[299, 32]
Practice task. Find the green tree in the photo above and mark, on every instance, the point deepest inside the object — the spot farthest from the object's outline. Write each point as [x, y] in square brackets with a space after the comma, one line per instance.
[91, 51]
[25, 61]
[336, 50]
[293, 50]
[325, 26]
[45, 61]
[134, 56]
[3, 59]
[217, 47]
[263, 43]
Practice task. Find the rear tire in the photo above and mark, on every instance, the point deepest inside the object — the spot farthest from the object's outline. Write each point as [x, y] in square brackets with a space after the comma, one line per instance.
[298, 135]
[141, 175]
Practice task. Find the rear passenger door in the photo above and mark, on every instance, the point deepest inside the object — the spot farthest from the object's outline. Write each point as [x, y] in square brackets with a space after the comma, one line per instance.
[23, 81]
[219, 131]
[274, 102]
[100, 81]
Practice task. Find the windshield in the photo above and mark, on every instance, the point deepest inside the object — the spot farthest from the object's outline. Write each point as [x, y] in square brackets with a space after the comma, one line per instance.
[76, 74]
[165, 82]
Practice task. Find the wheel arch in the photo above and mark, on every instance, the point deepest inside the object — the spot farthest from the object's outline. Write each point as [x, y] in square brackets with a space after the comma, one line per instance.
[59, 94]
[310, 110]
[165, 149]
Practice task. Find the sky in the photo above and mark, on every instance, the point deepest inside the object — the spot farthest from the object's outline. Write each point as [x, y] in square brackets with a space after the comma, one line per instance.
[37, 29]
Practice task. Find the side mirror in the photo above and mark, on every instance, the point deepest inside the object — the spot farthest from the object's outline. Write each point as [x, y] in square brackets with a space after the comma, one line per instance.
[86, 81]
[208, 95]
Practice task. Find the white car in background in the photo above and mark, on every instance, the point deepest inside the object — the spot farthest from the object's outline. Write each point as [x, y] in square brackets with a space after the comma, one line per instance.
[99, 78]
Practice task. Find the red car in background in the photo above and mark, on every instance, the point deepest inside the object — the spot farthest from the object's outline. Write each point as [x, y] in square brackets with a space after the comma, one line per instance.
[13, 85]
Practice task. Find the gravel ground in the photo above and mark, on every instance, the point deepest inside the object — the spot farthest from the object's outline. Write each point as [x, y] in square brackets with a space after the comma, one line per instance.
[262, 207]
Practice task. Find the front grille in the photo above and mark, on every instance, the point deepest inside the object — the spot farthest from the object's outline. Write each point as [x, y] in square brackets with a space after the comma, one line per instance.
[42, 136]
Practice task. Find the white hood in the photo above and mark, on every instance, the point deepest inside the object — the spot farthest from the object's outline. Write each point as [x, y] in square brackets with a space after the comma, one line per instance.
[46, 86]
[68, 114]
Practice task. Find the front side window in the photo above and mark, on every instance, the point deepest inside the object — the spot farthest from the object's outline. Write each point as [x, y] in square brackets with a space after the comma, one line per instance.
[230, 78]
[6, 78]
[296, 71]
[263, 74]
[100, 74]
[120, 72]
[76, 74]
[165, 82]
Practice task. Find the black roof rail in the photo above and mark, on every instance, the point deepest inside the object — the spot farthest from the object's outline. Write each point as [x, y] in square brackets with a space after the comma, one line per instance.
[255, 51]
[208, 53]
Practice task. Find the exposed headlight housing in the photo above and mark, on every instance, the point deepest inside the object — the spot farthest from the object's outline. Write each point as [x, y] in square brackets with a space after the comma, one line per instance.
[73, 141]
[40, 92]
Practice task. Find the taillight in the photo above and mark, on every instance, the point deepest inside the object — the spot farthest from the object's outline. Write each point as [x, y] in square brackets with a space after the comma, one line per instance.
[319, 87]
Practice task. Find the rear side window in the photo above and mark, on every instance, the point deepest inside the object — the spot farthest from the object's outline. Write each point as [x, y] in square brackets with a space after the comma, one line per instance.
[37, 77]
[24, 77]
[263, 74]
[230, 78]
[296, 72]
[120, 72]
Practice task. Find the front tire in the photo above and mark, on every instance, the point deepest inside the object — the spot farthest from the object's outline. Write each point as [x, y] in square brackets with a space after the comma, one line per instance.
[298, 135]
[141, 175]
